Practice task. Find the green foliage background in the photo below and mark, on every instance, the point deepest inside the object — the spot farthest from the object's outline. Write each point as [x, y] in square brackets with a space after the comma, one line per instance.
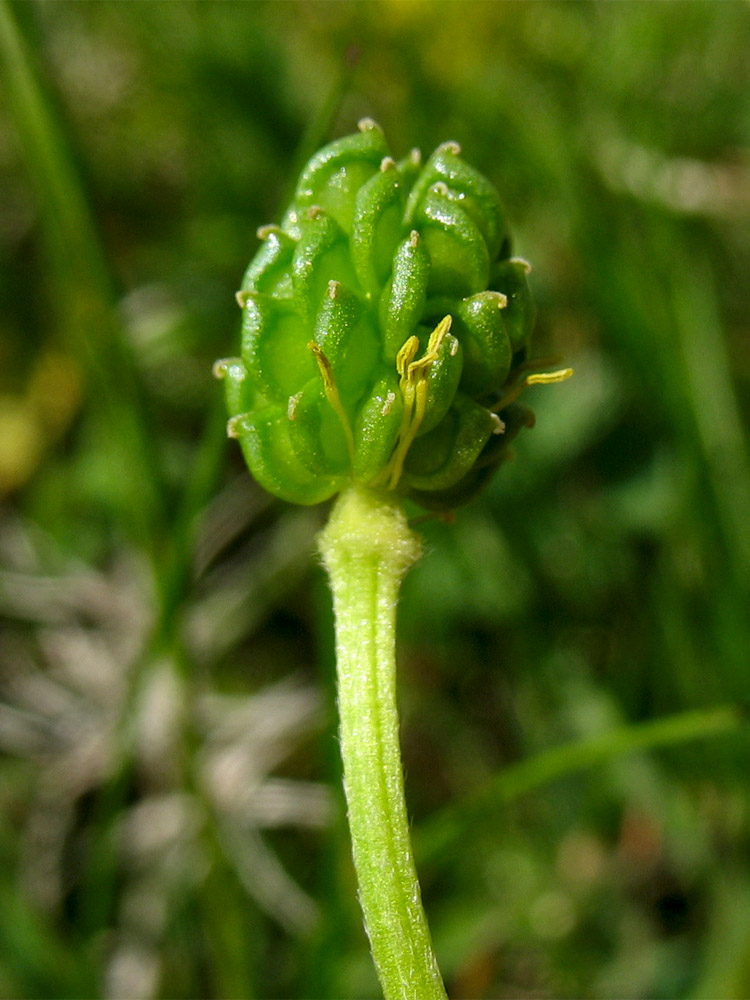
[171, 823]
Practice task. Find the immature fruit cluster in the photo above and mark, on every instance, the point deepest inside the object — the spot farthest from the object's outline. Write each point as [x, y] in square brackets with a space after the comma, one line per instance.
[384, 331]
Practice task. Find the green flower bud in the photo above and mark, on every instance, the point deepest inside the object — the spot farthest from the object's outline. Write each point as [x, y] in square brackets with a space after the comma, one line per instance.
[385, 329]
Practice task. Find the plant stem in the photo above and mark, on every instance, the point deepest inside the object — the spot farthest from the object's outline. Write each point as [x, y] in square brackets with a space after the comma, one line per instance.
[367, 548]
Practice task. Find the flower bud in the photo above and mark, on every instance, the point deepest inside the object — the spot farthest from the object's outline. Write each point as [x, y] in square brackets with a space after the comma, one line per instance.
[384, 331]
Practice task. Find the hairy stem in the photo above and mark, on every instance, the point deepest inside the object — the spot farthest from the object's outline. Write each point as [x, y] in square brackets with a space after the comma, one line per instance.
[367, 548]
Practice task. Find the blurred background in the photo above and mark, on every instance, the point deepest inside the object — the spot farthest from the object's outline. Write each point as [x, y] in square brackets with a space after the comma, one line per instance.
[574, 649]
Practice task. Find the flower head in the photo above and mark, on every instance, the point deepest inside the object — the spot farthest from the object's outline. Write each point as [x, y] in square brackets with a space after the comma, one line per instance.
[385, 327]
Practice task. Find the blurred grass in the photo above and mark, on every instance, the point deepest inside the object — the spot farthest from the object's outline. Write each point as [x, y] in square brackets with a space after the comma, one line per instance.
[172, 820]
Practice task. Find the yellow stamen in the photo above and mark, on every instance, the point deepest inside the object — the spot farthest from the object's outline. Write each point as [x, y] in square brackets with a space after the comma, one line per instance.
[434, 344]
[405, 355]
[537, 378]
[333, 397]
[414, 387]
[548, 378]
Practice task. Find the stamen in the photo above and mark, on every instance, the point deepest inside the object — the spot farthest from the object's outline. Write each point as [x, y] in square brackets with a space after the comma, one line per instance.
[333, 397]
[414, 387]
[392, 470]
[406, 354]
[548, 378]
[434, 344]
[538, 378]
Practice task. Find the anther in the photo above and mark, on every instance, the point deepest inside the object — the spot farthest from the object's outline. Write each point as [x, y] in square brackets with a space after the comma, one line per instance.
[367, 124]
[387, 163]
[406, 355]
[537, 378]
[549, 378]
[434, 344]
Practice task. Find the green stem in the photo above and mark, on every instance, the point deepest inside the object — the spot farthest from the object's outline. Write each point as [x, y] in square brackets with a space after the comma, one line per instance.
[367, 548]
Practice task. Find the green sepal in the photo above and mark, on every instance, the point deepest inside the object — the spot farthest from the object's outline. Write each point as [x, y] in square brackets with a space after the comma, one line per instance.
[403, 300]
[479, 324]
[321, 256]
[441, 458]
[509, 277]
[457, 495]
[264, 437]
[274, 347]
[268, 271]
[335, 173]
[477, 195]
[443, 377]
[376, 227]
[497, 450]
[460, 262]
[377, 426]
